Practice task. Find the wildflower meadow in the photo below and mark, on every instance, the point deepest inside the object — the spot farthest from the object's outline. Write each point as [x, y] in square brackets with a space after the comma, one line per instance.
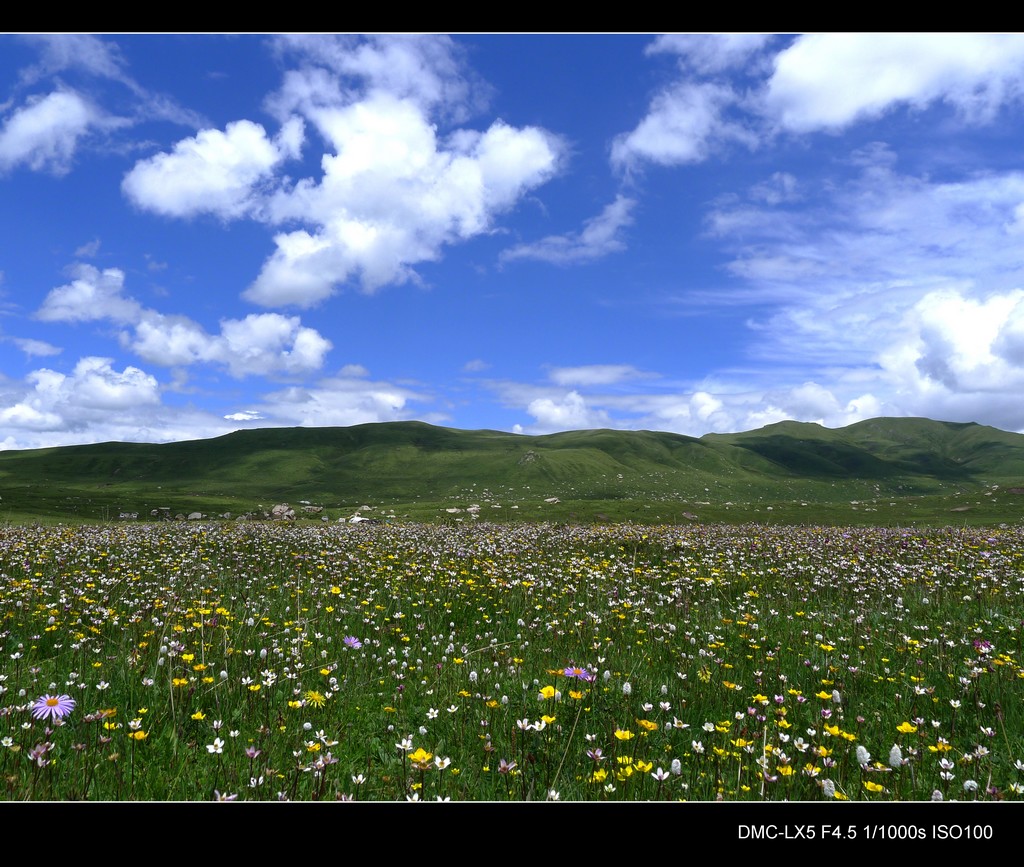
[533, 662]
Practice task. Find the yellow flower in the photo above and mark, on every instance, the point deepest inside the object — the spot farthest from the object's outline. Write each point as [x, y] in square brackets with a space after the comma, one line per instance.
[907, 728]
[575, 694]
[823, 694]
[314, 698]
[785, 770]
[179, 681]
[873, 787]
[420, 757]
[624, 734]
[199, 715]
[548, 719]
[140, 735]
[643, 767]
[647, 725]
[547, 692]
[599, 776]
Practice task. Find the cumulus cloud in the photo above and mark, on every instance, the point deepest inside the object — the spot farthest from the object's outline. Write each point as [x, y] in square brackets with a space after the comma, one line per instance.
[393, 195]
[427, 69]
[600, 236]
[213, 172]
[394, 190]
[94, 403]
[44, 133]
[737, 88]
[58, 401]
[343, 400]
[260, 344]
[659, 404]
[91, 295]
[568, 412]
[829, 81]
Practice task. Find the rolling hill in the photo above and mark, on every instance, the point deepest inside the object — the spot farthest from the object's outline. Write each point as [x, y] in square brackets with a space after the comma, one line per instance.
[885, 470]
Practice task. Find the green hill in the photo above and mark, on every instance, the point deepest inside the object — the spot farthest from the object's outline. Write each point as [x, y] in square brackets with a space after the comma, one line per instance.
[885, 470]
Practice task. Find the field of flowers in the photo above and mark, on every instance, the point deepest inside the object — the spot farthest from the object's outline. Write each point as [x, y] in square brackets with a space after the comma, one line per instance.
[492, 663]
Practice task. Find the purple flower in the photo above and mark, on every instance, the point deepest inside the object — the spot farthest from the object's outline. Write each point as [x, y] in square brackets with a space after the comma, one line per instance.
[53, 706]
[353, 642]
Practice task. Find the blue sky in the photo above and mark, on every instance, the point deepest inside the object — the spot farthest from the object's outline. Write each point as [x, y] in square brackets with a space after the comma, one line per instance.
[529, 233]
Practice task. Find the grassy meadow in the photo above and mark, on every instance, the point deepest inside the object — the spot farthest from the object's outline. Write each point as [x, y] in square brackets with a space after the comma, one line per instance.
[259, 661]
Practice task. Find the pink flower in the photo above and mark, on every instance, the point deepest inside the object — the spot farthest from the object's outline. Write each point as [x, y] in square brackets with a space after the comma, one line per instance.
[53, 706]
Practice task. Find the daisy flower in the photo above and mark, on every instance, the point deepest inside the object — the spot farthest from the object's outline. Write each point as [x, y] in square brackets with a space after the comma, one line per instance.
[53, 706]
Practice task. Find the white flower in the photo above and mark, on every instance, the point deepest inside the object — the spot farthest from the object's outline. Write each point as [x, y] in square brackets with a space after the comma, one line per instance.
[895, 757]
[828, 788]
[553, 795]
[216, 747]
[970, 785]
[627, 688]
[676, 767]
[863, 756]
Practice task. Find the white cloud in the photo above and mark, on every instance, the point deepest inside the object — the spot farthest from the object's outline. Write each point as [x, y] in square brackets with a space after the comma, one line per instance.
[710, 53]
[601, 235]
[32, 347]
[342, 400]
[96, 403]
[568, 412]
[684, 124]
[57, 402]
[45, 132]
[427, 69]
[393, 195]
[90, 296]
[88, 250]
[829, 81]
[595, 374]
[394, 190]
[244, 415]
[259, 345]
[214, 172]
[74, 51]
